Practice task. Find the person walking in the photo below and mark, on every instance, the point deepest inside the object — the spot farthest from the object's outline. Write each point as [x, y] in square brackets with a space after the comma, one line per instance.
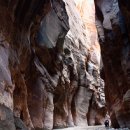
[106, 123]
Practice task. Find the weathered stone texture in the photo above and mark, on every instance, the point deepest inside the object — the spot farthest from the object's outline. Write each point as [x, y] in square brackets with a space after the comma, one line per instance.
[49, 66]
[113, 28]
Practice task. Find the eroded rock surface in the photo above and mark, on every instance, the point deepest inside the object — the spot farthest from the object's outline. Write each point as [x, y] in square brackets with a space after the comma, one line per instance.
[49, 66]
[113, 28]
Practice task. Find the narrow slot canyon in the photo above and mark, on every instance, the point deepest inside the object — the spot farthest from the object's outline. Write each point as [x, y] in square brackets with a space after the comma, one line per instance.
[64, 64]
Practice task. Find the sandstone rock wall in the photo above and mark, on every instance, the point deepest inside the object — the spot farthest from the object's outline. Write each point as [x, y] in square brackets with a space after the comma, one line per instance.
[112, 19]
[49, 69]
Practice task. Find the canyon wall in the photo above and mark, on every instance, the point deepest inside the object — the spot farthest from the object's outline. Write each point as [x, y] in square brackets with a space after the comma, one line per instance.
[112, 20]
[49, 65]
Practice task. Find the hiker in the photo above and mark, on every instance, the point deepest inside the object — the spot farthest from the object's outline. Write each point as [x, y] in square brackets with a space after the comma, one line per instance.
[106, 123]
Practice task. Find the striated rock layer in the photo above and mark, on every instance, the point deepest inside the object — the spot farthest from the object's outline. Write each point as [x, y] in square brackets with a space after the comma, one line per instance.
[49, 74]
[49, 66]
[112, 19]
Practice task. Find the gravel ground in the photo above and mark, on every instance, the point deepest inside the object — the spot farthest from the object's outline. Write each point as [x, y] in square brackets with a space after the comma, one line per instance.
[92, 128]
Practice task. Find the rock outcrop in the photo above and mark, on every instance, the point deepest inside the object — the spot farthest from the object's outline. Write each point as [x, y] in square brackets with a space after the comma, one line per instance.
[49, 66]
[112, 19]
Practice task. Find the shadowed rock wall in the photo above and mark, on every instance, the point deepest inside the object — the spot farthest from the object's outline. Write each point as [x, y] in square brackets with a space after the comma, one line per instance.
[112, 19]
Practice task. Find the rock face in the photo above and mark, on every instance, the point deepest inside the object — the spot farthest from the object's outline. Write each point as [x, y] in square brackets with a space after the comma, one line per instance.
[49, 66]
[50, 63]
[112, 19]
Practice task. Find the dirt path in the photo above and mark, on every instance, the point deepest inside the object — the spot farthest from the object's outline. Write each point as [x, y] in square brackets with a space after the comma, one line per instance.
[86, 128]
